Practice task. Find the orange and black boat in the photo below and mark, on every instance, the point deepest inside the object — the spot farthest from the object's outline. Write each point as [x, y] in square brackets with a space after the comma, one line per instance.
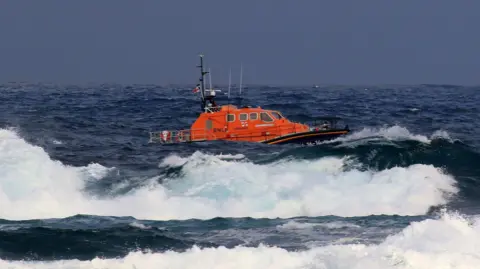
[247, 124]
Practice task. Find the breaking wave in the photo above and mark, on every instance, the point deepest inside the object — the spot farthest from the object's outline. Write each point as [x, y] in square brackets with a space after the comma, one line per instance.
[204, 186]
[452, 241]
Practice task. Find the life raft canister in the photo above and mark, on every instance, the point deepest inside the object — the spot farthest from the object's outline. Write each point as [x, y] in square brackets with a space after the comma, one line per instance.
[165, 136]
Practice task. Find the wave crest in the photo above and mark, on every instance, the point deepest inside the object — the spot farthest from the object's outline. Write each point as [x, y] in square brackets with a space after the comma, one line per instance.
[34, 186]
[449, 242]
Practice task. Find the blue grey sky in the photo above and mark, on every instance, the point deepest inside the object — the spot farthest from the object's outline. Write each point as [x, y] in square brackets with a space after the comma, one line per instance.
[279, 42]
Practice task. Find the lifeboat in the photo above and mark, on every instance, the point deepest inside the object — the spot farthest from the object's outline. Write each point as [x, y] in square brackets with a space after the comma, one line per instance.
[247, 124]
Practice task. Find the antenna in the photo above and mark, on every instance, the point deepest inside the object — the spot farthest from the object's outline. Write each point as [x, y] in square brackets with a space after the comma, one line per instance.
[229, 81]
[241, 76]
[210, 77]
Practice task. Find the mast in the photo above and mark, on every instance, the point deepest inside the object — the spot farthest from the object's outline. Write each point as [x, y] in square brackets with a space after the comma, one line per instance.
[202, 81]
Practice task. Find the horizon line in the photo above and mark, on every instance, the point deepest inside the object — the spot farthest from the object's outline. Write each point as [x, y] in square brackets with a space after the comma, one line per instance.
[236, 84]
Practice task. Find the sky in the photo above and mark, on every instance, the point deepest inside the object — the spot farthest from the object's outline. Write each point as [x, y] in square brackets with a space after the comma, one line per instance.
[278, 42]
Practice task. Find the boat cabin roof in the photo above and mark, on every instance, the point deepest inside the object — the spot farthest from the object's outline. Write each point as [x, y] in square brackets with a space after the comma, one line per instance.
[250, 113]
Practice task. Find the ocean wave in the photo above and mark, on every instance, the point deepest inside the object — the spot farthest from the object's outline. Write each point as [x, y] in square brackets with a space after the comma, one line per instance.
[451, 241]
[34, 186]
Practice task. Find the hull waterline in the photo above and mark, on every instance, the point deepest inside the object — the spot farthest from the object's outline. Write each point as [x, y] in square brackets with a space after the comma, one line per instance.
[307, 137]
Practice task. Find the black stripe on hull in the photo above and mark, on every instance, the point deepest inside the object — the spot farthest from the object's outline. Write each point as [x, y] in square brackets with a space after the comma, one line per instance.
[307, 137]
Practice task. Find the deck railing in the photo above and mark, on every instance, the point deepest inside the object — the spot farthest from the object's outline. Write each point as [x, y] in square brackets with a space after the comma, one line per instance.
[181, 136]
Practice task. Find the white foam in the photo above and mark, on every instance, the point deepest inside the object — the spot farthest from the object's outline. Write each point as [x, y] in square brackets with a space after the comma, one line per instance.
[447, 243]
[308, 188]
[34, 186]
[175, 160]
[57, 142]
[139, 225]
[442, 134]
[392, 133]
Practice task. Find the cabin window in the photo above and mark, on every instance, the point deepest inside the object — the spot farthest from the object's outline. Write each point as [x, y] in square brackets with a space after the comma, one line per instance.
[253, 116]
[230, 117]
[265, 117]
[243, 117]
[277, 115]
[209, 124]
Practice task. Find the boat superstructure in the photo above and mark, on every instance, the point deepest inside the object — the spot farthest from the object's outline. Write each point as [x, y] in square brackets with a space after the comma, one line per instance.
[247, 123]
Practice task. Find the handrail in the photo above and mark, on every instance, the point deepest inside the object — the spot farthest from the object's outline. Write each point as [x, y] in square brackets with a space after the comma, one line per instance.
[181, 136]
[213, 109]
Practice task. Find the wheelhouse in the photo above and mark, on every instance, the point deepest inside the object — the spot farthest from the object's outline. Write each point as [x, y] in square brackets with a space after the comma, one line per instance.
[254, 115]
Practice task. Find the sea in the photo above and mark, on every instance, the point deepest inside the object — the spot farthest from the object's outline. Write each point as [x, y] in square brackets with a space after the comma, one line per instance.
[82, 187]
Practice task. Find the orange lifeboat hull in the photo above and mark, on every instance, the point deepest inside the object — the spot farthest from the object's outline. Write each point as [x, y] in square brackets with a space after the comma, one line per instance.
[248, 124]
